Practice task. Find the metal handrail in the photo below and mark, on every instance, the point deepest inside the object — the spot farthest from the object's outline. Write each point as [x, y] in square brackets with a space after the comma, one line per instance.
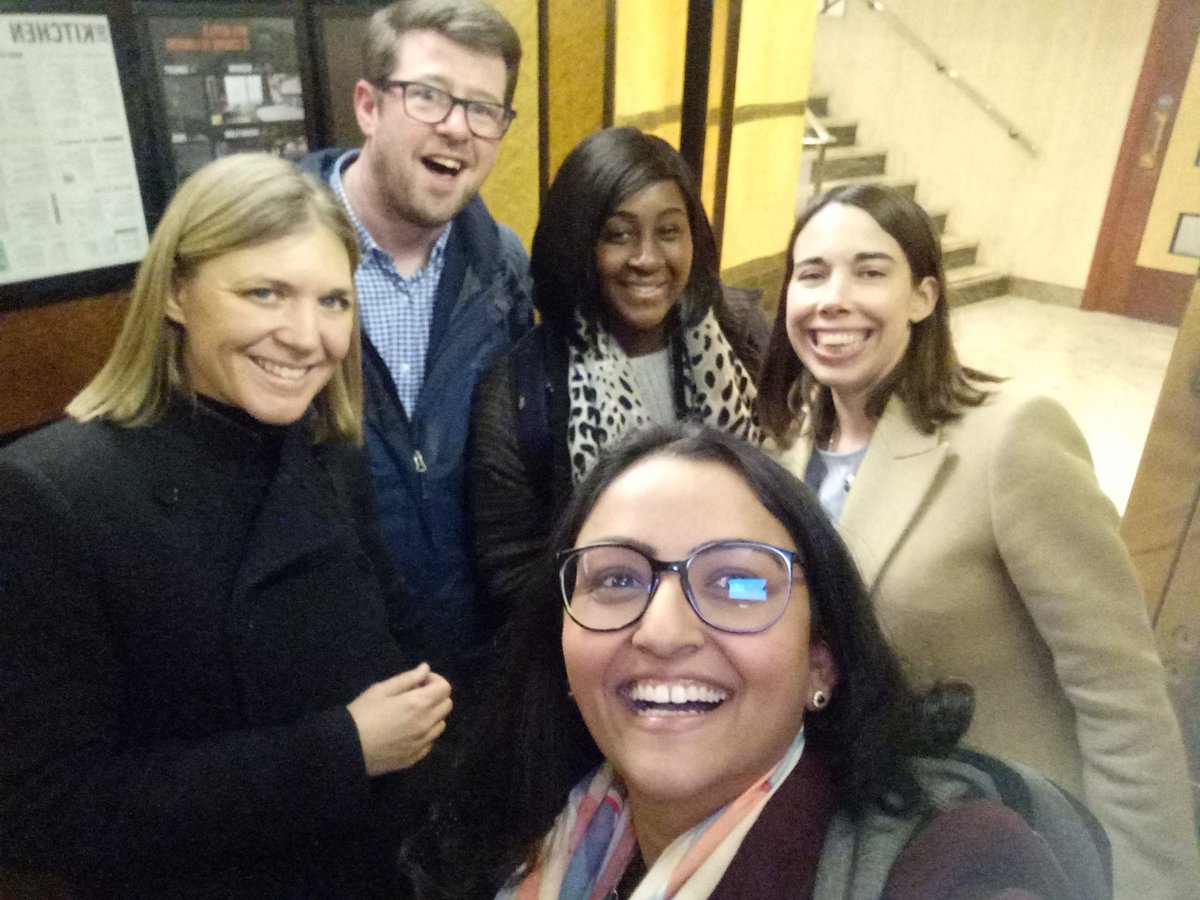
[954, 75]
[820, 139]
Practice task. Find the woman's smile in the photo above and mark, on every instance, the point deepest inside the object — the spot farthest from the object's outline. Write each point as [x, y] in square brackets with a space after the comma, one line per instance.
[672, 698]
[839, 343]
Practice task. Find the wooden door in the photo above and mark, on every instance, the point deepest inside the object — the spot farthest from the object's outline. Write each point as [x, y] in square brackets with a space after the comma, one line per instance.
[1120, 282]
[1161, 527]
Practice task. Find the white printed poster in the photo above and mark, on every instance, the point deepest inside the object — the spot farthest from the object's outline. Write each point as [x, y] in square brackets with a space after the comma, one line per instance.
[69, 196]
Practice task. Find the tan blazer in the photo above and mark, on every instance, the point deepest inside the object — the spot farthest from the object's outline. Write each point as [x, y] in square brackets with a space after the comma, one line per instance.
[991, 554]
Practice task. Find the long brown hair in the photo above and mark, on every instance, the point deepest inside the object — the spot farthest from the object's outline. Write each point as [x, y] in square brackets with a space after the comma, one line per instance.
[930, 380]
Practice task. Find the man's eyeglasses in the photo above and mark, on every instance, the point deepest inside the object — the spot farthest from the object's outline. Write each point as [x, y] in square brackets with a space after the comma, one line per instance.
[735, 586]
[433, 105]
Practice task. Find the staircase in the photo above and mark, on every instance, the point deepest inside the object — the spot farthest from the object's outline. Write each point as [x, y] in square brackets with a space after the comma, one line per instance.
[846, 162]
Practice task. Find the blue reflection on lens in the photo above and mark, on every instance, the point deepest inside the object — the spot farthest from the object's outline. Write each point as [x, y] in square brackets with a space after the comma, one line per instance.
[747, 589]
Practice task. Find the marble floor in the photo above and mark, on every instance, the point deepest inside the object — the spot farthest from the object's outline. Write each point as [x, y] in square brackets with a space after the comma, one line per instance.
[1105, 369]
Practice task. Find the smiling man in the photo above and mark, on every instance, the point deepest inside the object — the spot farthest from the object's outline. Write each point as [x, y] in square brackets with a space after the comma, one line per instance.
[443, 288]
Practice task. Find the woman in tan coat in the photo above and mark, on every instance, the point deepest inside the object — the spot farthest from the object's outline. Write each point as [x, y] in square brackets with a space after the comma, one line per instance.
[974, 514]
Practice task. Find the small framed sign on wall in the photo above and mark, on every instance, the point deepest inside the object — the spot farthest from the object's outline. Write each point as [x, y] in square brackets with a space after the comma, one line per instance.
[228, 78]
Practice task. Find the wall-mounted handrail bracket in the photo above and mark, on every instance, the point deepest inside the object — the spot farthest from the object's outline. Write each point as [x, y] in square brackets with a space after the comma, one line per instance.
[943, 68]
[816, 135]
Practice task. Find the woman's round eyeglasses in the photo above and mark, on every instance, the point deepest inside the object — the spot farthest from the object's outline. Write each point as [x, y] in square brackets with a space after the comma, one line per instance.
[736, 586]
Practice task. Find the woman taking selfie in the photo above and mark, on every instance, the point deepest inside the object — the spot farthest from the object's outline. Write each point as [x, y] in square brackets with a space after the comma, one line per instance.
[203, 690]
[974, 515]
[706, 708]
[636, 329]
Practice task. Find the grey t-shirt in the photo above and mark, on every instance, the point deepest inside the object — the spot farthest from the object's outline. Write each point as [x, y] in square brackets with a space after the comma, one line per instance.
[652, 372]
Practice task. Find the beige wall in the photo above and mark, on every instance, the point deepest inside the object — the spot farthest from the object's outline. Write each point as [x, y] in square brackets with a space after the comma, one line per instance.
[1063, 70]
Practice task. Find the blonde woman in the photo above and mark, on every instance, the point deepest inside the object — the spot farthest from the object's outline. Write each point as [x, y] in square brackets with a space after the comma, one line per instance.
[203, 692]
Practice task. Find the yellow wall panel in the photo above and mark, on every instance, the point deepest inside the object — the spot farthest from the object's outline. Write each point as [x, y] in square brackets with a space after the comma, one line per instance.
[576, 63]
[511, 191]
[760, 202]
[775, 51]
[650, 48]
[668, 131]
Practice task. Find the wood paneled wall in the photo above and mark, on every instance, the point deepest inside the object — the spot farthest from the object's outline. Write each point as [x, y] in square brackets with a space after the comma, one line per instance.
[1162, 528]
[48, 353]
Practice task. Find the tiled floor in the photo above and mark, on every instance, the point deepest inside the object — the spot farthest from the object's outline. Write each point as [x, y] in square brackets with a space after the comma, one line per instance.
[1106, 369]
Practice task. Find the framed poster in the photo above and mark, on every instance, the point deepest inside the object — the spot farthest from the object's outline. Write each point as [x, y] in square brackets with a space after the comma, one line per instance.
[339, 34]
[72, 220]
[228, 78]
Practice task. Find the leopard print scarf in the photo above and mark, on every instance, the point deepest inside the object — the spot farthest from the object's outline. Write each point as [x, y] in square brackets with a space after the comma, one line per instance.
[605, 405]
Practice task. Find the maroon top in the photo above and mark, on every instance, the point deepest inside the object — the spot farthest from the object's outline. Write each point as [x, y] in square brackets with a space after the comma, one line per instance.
[979, 849]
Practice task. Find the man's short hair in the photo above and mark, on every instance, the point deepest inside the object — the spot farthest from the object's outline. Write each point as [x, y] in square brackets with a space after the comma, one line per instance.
[472, 23]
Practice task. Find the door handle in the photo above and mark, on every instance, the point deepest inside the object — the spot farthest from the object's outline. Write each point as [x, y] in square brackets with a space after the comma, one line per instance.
[1156, 129]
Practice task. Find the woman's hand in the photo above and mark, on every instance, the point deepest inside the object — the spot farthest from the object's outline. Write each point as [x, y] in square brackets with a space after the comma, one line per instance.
[399, 719]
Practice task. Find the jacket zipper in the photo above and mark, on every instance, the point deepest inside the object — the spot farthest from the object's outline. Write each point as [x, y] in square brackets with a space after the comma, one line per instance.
[418, 461]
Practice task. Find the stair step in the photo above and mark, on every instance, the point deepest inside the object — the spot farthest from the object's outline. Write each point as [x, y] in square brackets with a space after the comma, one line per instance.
[853, 162]
[969, 284]
[846, 163]
[906, 186]
[958, 251]
[845, 130]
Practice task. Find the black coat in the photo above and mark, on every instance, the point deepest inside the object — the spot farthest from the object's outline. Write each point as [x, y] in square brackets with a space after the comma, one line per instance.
[185, 611]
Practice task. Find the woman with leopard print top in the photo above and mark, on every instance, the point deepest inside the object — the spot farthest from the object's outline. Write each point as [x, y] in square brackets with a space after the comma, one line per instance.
[636, 329]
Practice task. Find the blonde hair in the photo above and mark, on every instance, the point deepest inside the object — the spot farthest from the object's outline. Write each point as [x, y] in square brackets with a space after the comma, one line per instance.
[236, 202]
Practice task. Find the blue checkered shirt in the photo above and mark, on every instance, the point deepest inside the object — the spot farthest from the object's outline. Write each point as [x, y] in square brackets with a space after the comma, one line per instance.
[397, 312]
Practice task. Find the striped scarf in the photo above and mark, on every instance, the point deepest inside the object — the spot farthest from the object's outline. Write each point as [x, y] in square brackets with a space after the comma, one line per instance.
[592, 842]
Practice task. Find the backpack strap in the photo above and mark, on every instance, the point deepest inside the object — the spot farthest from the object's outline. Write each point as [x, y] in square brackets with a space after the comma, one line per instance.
[1074, 834]
[858, 855]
